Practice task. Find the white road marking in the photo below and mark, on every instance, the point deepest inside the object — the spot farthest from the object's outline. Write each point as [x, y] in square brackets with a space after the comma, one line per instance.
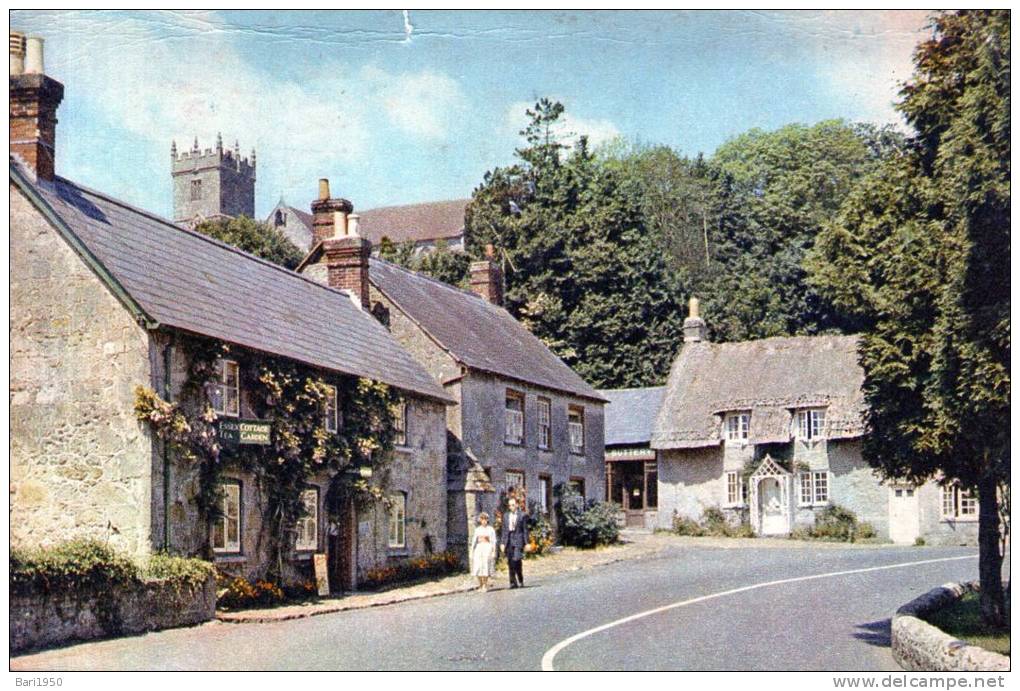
[550, 655]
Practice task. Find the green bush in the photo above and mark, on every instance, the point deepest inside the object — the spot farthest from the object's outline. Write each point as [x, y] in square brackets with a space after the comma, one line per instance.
[686, 526]
[183, 570]
[74, 565]
[540, 533]
[714, 523]
[585, 524]
[834, 523]
[837, 524]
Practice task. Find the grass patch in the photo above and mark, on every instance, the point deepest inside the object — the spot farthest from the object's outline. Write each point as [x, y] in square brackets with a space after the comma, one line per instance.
[962, 620]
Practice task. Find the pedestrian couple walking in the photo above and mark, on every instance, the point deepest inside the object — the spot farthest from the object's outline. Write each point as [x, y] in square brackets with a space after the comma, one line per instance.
[513, 537]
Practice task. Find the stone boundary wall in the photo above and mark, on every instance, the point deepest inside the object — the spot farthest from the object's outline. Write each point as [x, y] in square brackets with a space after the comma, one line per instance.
[44, 620]
[920, 647]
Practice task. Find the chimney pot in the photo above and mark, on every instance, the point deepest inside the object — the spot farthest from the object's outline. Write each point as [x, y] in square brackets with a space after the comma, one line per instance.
[352, 225]
[17, 53]
[323, 188]
[695, 329]
[34, 56]
[33, 102]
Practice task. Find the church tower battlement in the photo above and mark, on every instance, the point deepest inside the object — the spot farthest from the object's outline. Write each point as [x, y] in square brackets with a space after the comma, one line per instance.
[212, 183]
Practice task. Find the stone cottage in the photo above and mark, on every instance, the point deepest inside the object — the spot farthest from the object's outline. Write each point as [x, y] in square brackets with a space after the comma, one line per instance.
[426, 225]
[770, 432]
[103, 297]
[632, 474]
[523, 420]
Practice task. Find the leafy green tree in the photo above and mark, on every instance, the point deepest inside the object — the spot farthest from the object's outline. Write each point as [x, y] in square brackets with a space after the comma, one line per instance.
[774, 193]
[255, 237]
[919, 254]
[440, 262]
[582, 271]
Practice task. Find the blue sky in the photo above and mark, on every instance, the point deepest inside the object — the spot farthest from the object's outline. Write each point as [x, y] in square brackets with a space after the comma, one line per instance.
[401, 107]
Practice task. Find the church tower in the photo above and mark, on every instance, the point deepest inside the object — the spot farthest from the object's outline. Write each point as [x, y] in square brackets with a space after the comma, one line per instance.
[213, 183]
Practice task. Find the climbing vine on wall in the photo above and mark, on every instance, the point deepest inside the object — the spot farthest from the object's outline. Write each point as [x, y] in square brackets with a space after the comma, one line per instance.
[294, 398]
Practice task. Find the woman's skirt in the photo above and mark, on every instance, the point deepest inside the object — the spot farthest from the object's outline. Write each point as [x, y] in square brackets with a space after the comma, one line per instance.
[481, 559]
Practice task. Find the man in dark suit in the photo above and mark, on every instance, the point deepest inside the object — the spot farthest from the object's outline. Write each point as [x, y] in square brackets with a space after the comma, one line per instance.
[513, 537]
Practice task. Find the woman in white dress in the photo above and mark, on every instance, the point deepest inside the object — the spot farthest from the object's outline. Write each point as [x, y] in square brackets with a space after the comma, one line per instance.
[483, 549]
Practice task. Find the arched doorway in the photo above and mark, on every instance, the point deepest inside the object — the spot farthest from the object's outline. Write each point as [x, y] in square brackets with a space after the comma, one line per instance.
[770, 488]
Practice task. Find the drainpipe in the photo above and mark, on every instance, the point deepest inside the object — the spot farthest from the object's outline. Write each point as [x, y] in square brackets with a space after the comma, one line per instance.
[168, 350]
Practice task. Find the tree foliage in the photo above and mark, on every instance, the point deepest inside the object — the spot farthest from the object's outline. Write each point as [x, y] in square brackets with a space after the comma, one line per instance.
[774, 193]
[582, 271]
[254, 237]
[919, 255]
[440, 262]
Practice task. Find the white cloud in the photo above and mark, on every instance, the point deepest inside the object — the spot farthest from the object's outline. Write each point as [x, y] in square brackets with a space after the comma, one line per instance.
[867, 56]
[423, 104]
[177, 75]
[569, 128]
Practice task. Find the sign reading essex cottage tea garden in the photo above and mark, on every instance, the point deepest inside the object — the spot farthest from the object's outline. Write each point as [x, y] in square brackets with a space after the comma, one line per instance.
[239, 432]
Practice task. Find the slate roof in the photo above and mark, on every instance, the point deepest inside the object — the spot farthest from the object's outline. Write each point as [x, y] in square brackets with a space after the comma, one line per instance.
[630, 415]
[475, 332]
[416, 222]
[184, 280]
[769, 377]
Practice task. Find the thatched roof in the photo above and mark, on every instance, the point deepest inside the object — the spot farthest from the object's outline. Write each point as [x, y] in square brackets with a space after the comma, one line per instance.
[771, 378]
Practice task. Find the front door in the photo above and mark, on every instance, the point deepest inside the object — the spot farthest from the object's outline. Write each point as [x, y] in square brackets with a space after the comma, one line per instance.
[904, 518]
[770, 503]
[340, 545]
[633, 485]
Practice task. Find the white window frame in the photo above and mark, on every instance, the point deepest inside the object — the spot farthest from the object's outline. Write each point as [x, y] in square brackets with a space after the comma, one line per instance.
[737, 428]
[576, 430]
[814, 488]
[231, 495]
[956, 498]
[308, 525]
[332, 411]
[513, 421]
[544, 423]
[810, 424]
[397, 534]
[736, 489]
[220, 387]
[545, 491]
[400, 423]
[515, 478]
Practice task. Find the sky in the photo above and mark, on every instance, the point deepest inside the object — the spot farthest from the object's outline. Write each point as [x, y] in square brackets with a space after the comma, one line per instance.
[399, 107]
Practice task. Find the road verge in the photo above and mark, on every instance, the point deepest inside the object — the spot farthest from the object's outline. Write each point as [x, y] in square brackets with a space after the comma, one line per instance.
[920, 647]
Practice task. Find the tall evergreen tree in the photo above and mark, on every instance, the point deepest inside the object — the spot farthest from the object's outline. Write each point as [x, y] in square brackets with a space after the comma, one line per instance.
[919, 254]
[582, 271]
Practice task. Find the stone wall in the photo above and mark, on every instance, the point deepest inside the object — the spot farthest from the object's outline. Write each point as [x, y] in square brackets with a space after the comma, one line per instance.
[690, 481]
[418, 471]
[38, 620]
[80, 461]
[937, 530]
[920, 647]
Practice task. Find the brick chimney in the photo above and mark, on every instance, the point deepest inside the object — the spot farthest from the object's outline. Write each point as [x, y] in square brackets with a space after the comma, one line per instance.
[329, 215]
[487, 277]
[695, 329]
[344, 252]
[34, 99]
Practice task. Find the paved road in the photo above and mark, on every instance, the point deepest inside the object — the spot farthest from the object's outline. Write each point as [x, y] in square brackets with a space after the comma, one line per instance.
[835, 622]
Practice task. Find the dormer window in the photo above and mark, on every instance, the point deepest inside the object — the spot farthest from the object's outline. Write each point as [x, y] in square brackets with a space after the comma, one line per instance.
[737, 427]
[811, 424]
